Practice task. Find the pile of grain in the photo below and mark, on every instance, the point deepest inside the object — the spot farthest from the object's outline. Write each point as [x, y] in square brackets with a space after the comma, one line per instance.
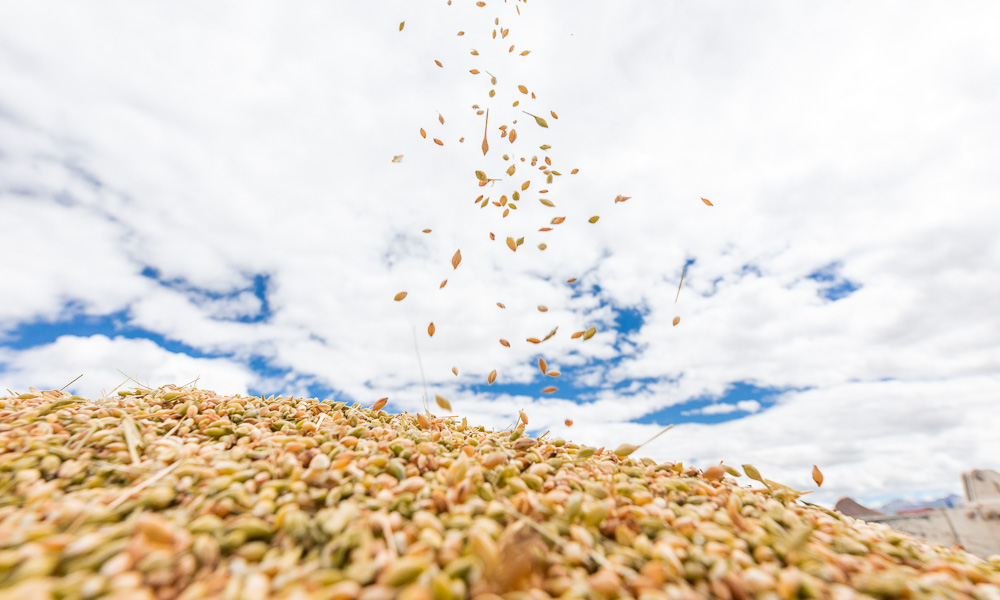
[182, 493]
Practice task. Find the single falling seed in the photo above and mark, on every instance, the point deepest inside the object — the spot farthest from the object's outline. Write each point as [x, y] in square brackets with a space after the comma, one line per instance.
[557, 220]
[427, 230]
[817, 476]
[486, 146]
[571, 280]
[534, 340]
[676, 321]
[589, 333]
[438, 63]
[577, 334]
[442, 402]
[380, 404]
[511, 49]
[438, 142]
[553, 373]
[397, 158]
[541, 122]
[525, 185]
[431, 329]
[545, 229]
[399, 296]
[492, 237]
[512, 136]
[501, 305]
[491, 377]
[551, 333]
[550, 390]
[542, 246]
[522, 89]
[520, 241]
[547, 202]
[542, 366]
[461, 33]
[554, 115]
[619, 197]
[441, 118]
[568, 422]
[474, 52]
[456, 259]
[480, 4]
[542, 308]
[593, 219]
[423, 133]
[401, 24]
[511, 169]
[525, 52]
[443, 283]
[512, 244]
[574, 171]
[707, 201]
[504, 343]
[523, 416]
[455, 371]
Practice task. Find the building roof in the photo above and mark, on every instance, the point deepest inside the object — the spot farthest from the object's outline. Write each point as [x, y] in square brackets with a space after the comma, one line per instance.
[849, 507]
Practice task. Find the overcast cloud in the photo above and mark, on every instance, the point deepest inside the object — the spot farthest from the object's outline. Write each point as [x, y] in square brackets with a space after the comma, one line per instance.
[206, 191]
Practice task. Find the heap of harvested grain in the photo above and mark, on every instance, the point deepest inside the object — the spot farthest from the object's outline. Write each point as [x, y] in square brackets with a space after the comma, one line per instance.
[182, 493]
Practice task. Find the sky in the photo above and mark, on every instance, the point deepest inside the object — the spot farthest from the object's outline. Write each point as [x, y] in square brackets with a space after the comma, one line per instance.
[207, 192]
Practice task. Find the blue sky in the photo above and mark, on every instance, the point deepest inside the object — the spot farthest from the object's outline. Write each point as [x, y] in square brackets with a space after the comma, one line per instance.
[208, 192]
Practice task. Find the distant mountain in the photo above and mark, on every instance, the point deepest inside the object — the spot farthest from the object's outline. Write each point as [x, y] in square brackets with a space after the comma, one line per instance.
[896, 506]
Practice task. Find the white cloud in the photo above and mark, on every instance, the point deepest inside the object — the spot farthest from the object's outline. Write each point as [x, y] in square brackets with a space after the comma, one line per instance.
[103, 360]
[216, 144]
[722, 408]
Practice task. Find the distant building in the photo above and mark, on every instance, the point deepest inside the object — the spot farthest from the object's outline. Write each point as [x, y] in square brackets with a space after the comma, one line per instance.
[975, 526]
